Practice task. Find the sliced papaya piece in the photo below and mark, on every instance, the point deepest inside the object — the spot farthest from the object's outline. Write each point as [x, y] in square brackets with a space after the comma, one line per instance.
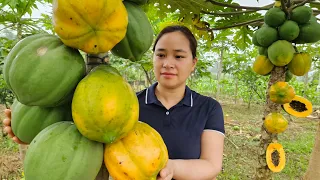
[275, 157]
[298, 107]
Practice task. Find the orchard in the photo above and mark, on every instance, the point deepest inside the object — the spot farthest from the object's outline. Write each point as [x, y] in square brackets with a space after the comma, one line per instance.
[70, 78]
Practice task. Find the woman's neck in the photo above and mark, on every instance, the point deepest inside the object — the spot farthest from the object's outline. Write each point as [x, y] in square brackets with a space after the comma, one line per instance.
[169, 97]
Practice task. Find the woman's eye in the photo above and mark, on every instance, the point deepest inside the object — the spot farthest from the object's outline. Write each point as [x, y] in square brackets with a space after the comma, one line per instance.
[160, 55]
[179, 57]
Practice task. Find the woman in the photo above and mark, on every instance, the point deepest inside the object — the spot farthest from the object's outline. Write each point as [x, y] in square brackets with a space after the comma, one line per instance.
[190, 124]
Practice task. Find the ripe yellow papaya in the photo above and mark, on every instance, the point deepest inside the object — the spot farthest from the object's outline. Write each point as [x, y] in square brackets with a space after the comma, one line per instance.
[91, 27]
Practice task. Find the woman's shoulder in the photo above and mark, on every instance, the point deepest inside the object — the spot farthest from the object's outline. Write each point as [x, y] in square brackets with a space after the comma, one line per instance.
[201, 98]
[141, 92]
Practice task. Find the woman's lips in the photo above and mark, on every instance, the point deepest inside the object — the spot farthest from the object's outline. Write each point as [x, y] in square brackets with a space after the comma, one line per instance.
[167, 75]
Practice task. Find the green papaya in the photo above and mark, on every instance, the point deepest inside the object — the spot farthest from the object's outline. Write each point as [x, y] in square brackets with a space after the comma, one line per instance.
[60, 152]
[289, 30]
[139, 36]
[254, 39]
[309, 33]
[42, 71]
[274, 17]
[263, 51]
[281, 52]
[28, 121]
[301, 14]
[266, 36]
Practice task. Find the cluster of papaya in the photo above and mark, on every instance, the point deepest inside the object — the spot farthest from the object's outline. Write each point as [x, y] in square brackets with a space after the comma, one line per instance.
[75, 122]
[276, 40]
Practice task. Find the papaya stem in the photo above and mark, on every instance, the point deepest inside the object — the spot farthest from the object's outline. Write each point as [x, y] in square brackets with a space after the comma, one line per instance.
[283, 7]
[236, 12]
[288, 4]
[231, 26]
[297, 5]
[229, 13]
[236, 6]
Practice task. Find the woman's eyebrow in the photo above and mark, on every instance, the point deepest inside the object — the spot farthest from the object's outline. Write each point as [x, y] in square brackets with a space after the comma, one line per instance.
[180, 50]
[161, 49]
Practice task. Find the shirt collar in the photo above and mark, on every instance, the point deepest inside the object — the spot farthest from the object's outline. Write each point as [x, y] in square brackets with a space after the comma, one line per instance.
[152, 98]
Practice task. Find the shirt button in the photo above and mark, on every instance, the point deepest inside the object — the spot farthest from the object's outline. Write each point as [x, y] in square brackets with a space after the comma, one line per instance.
[167, 113]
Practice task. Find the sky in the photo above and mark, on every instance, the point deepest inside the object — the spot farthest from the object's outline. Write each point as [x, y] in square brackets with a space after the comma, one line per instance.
[254, 2]
[46, 9]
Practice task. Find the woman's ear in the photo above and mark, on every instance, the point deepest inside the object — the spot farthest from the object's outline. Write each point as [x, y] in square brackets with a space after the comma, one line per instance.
[194, 61]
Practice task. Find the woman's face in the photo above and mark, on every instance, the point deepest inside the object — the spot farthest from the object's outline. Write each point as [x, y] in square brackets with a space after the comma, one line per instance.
[172, 59]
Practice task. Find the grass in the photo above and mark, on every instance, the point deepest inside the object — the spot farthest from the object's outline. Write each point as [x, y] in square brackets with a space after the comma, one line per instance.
[241, 144]
[240, 151]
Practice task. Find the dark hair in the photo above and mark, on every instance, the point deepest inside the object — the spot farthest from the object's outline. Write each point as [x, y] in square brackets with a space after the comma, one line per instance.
[186, 31]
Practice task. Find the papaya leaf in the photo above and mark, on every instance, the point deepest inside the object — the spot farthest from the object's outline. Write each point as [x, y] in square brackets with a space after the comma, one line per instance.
[8, 17]
[242, 38]
[4, 3]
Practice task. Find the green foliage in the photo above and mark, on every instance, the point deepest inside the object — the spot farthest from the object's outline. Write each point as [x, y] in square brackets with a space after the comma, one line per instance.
[6, 96]
[185, 7]
[20, 7]
[242, 37]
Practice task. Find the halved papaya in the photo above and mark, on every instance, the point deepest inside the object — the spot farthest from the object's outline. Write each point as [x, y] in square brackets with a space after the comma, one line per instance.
[298, 107]
[275, 157]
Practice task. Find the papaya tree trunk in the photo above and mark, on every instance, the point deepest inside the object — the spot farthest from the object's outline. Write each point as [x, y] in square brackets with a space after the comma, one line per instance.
[318, 87]
[262, 170]
[313, 171]
[220, 64]
[91, 62]
[147, 77]
[306, 79]
[236, 91]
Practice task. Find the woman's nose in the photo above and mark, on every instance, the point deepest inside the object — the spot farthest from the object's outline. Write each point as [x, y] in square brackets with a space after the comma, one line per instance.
[168, 63]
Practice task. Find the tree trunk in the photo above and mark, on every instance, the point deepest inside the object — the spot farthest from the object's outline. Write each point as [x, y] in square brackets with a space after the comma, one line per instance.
[313, 171]
[318, 87]
[262, 170]
[220, 64]
[93, 61]
[306, 78]
[236, 92]
[147, 77]
[250, 99]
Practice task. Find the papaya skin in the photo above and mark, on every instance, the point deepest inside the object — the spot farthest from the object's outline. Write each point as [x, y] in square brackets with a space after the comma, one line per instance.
[104, 106]
[262, 65]
[300, 64]
[91, 27]
[275, 123]
[281, 52]
[281, 92]
[140, 155]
